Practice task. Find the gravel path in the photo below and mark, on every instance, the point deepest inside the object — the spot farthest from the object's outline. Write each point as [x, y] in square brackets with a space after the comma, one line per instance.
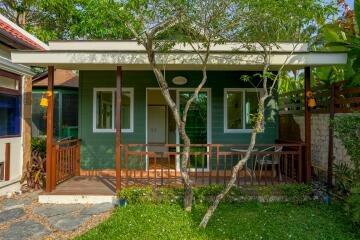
[22, 217]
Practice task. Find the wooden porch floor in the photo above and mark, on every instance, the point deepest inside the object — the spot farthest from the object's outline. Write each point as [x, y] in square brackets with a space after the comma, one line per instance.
[105, 185]
[86, 185]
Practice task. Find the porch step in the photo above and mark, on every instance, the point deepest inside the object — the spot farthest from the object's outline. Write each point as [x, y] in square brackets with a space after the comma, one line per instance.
[73, 199]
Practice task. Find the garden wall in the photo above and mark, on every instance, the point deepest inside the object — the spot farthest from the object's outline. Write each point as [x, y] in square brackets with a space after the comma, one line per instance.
[320, 140]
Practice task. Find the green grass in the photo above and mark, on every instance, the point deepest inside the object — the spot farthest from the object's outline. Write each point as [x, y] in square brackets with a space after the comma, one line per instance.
[249, 220]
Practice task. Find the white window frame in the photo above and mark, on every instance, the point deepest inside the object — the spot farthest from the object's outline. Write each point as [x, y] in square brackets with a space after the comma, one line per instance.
[113, 130]
[243, 90]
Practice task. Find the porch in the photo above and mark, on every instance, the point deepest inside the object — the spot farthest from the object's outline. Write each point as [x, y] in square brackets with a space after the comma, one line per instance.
[208, 164]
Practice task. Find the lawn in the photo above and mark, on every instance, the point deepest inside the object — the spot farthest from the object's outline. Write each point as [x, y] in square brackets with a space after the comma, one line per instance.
[249, 220]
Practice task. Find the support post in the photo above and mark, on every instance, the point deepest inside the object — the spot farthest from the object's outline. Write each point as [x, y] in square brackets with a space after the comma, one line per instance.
[7, 162]
[307, 115]
[27, 123]
[118, 127]
[49, 131]
[331, 136]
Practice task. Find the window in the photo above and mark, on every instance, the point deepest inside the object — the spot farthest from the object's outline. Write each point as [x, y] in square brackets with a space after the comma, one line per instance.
[9, 115]
[104, 110]
[239, 106]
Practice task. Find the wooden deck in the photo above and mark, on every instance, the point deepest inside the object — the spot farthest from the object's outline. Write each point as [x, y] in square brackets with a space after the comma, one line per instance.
[85, 185]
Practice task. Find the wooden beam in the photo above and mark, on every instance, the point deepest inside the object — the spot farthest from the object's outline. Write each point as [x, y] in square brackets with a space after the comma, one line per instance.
[7, 162]
[49, 130]
[27, 123]
[307, 115]
[331, 136]
[118, 127]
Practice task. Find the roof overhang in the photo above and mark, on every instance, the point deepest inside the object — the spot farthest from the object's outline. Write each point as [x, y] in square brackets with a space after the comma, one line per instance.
[106, 55]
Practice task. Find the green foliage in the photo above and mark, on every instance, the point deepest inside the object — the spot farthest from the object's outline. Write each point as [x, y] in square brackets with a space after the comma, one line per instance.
[347, 129]
[38, 144]
[248, 220]
[295, 193]
[352, 204]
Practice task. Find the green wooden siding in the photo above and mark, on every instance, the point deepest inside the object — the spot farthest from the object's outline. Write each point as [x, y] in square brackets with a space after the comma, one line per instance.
[98, 149]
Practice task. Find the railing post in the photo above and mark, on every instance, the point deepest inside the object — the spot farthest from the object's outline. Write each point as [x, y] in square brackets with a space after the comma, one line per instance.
[54, 169]
[7, 162]
[78, 158]
[300, 164]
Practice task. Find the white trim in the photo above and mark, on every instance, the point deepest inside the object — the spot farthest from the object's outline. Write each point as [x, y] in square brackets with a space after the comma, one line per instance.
[128, 45]
[242, 90]
[112, 129]
[98, 60]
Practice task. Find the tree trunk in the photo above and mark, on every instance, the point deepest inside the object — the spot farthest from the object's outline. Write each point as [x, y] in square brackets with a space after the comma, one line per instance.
[184, 168]
[238, 166]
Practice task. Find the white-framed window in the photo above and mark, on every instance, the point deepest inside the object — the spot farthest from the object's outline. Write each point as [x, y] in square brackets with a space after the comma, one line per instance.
[104, 110]
[240, 104]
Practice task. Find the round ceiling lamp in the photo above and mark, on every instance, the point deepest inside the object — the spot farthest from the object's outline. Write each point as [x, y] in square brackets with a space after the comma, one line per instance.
[179, 80]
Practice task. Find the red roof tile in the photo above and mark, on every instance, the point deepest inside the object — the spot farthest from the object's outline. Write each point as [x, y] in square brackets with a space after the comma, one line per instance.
[14, 32]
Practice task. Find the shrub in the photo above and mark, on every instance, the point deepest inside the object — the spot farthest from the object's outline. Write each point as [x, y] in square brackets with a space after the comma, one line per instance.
[295, 193]
[353, 204]
[38, 144]
[347, 129]
[35, 172]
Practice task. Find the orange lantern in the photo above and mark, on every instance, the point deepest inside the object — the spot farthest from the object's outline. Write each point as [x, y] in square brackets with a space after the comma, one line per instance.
[310, 99]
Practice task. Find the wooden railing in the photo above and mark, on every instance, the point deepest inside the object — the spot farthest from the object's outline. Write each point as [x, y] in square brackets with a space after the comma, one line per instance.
[159, 165]
[67, 159]
[338, 95]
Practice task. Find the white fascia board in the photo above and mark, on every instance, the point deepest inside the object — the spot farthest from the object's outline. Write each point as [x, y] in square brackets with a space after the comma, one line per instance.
[46, 58]
[7, 65]
[134, 46]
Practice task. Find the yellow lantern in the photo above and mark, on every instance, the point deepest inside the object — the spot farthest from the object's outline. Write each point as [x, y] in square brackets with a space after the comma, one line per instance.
[44, 102]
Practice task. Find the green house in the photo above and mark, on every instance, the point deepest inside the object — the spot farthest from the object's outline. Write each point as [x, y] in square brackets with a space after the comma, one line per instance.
[132, 138]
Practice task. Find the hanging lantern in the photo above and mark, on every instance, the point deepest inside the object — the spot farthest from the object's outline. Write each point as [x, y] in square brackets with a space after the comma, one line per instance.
[310, 99]
[44, 102]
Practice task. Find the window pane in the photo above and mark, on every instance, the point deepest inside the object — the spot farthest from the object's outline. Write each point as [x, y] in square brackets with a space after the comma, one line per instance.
[104, 110]
[234, 110]
[125, 110]
[9, 115]
[251, 105]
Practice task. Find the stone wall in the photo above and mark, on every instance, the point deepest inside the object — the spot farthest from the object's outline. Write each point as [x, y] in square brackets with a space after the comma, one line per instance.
[320, 140]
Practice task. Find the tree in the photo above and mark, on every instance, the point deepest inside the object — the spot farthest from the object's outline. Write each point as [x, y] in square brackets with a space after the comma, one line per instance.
[162, 25]
[267, 23]
[68, 19]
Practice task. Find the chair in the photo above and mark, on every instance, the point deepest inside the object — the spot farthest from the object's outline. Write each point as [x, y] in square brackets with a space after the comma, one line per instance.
[270, 159]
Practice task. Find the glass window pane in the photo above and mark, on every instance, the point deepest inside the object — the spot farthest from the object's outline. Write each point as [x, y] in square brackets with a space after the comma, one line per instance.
[196, 125]
[9, 115]
[104, 109]
[234, 110]
[125, 110]
[251, 105]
